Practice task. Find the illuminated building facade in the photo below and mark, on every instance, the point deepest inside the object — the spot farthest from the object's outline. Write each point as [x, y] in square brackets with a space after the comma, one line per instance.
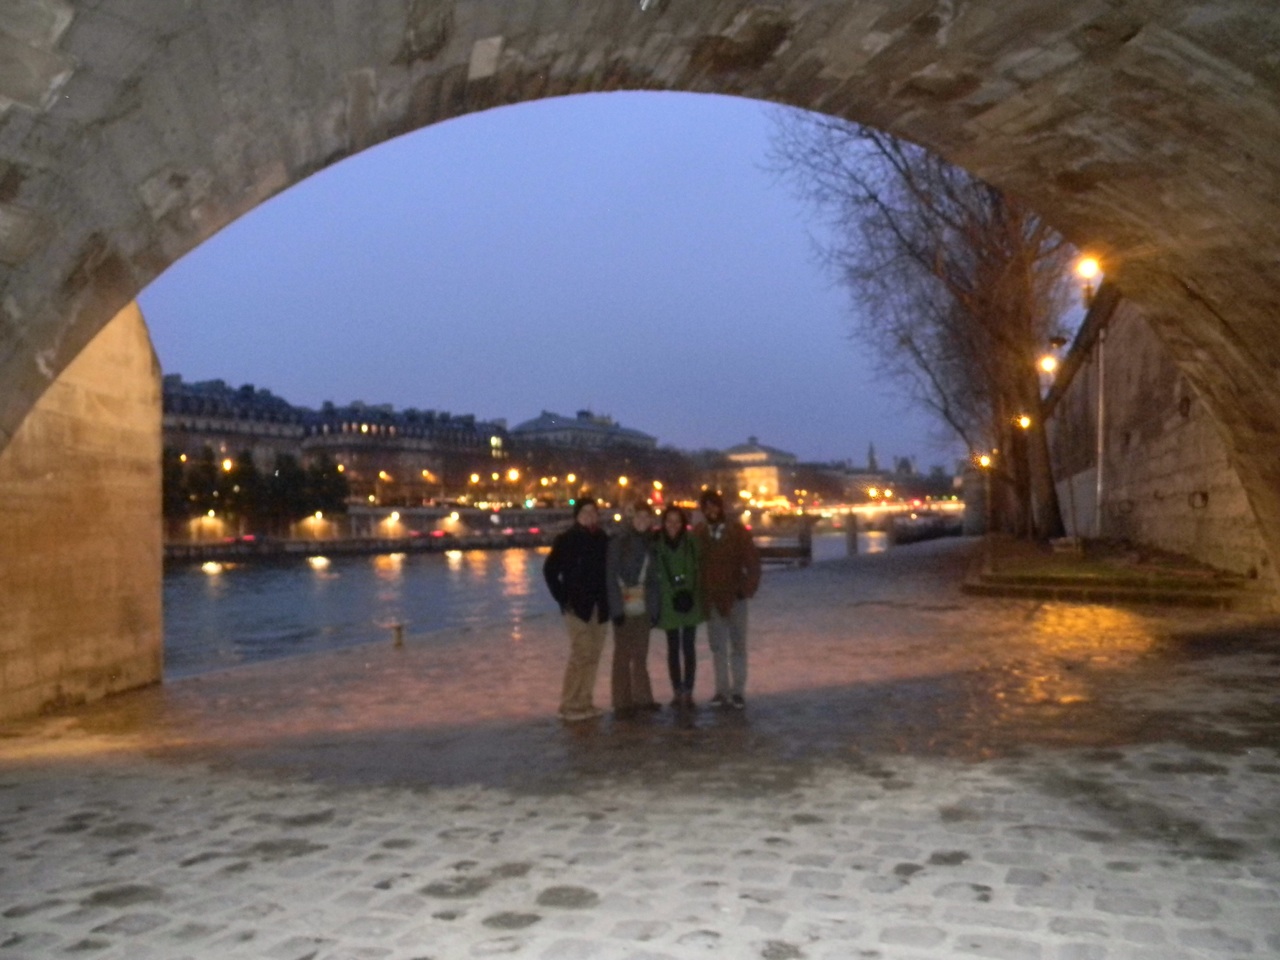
[388, 456]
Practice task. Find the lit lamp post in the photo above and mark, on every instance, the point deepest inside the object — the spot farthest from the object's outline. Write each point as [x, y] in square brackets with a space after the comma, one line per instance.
[984, 461]
[1049, 362]
[1024, 460]
[1088, 269]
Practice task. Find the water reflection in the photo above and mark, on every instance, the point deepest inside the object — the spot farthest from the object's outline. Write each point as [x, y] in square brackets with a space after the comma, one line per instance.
[873, 541]
[1066, 646]
[1097, 633]
[266, 611]
[516, 578]
[389, 566]
[254, 612]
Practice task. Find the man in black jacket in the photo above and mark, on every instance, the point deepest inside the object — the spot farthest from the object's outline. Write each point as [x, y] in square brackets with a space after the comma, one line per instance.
[575, 574]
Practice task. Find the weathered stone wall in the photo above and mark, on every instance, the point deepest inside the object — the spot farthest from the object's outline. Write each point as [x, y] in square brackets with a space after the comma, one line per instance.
[1167, 480]
[80, 550]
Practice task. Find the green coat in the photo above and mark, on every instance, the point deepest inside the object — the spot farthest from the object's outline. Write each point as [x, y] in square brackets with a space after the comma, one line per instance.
[672, 565]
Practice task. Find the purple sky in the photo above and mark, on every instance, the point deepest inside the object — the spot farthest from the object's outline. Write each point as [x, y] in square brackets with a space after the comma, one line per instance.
[622, 252]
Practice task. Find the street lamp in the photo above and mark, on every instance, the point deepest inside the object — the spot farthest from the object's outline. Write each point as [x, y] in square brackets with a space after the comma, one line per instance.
[984, 461]
[1087, 269]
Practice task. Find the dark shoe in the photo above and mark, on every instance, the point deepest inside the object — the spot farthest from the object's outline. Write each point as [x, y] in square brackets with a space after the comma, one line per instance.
[686, 699]
[739, 703]
[719, 701]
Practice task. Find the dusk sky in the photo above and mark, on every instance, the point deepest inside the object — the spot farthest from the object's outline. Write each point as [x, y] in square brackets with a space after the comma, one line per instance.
[625, 253]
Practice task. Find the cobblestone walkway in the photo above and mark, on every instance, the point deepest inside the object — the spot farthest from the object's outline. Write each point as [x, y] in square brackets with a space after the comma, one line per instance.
[917, 775]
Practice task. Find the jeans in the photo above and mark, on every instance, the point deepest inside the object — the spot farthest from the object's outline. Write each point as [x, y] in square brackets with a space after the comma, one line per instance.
[680, 641]
[727, 637]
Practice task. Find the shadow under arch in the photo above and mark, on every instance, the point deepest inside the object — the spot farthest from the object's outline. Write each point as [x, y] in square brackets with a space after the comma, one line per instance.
[134, 133]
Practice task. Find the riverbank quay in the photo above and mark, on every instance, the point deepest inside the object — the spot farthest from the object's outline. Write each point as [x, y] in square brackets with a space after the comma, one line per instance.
[1109, 572]
[918, 774]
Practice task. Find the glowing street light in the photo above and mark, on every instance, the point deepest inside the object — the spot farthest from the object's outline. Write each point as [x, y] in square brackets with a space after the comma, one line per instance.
[1088, 269]
[1023, 421]
[984, 461]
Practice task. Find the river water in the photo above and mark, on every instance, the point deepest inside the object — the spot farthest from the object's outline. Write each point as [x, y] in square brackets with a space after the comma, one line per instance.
[224, 615]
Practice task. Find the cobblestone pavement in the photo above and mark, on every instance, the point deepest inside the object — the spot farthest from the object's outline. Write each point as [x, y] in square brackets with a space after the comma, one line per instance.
[917, 775]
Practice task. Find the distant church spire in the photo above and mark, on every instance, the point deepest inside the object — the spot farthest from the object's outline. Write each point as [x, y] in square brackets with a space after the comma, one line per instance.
[871, 459]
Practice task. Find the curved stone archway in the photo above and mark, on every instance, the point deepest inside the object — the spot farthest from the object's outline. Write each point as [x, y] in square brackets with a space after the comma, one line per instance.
[132, 130]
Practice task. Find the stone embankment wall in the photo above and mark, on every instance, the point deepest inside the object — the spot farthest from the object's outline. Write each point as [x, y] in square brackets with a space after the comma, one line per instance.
[80, 545]
[1168, 480]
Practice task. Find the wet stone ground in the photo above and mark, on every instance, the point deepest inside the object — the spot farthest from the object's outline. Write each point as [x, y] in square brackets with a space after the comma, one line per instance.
[918, 774]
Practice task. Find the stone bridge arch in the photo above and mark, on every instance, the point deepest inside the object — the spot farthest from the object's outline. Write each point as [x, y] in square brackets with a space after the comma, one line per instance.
[132, 130]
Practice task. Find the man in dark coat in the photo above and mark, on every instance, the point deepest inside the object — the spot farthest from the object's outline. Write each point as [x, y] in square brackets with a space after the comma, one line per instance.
[575, 575]
[730, 575]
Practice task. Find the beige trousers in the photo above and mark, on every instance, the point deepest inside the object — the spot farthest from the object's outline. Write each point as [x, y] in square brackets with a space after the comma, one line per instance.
[630, 678]
[586, 640]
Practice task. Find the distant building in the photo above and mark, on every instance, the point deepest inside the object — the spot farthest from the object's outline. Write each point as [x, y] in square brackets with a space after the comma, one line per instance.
[585, 431]
[230, 421]
[387, 456]
[764, 472]
[402, 457]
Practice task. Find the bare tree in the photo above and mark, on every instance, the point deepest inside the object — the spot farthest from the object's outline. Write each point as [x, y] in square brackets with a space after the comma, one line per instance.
[956, 289]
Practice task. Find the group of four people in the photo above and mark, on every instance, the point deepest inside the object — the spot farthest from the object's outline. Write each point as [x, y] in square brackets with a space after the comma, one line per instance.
[673, 579]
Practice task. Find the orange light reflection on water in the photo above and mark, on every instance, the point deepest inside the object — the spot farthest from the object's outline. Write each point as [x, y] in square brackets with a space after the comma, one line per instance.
[515, 570]
[389, 566]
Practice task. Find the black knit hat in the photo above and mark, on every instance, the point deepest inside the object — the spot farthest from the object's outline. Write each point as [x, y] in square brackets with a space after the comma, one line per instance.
[711, 496]
[583, 502]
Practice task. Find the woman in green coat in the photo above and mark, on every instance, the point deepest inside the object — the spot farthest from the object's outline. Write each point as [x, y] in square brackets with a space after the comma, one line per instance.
[680, 610]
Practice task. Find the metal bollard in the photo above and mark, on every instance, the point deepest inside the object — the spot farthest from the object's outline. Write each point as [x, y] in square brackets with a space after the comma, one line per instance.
[397, 634]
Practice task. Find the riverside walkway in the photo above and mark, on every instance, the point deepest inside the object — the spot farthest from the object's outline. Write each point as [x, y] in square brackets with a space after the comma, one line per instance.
[918, 774]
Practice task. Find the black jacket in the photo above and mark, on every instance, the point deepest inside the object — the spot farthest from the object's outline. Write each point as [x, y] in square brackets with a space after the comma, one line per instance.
[575, 572]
